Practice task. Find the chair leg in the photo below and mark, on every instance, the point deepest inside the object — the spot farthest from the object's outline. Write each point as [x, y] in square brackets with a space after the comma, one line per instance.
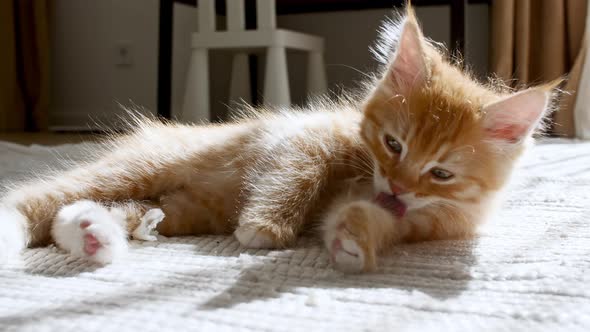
[276, 79]
[196, 98]
[240, 79]
[316, 74]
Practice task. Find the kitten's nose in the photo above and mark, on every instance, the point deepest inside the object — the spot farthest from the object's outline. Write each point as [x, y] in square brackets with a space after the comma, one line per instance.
[396, 189]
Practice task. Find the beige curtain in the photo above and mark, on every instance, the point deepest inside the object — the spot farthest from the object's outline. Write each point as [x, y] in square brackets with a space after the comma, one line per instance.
[24, 64]
[582, 104]
[534, 41]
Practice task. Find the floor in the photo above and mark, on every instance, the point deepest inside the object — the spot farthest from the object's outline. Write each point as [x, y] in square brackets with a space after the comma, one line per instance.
[48, 138]
[528, 271]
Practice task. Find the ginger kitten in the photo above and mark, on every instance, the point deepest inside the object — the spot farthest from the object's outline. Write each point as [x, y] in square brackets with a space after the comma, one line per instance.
[419, 156]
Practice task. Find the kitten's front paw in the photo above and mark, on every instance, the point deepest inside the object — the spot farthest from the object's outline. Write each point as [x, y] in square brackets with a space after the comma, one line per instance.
[347, 256]
[347, 237]
[255, 238]
[87, 229]
[146, 230]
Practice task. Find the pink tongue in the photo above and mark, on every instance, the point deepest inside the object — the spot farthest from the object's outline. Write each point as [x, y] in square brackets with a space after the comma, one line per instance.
[391, 203]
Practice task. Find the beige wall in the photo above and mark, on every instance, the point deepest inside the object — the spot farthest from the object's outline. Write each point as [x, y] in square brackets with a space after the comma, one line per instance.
[88, 85]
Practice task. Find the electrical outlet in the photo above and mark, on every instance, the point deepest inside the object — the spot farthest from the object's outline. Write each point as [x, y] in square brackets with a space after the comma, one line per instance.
[123, 54]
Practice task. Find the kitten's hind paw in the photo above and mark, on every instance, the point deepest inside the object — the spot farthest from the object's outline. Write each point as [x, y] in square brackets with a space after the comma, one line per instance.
[87, 229]
[146, 230]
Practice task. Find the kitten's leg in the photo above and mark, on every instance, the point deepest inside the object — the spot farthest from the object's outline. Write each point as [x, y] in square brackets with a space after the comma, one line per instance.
[145, 165]
[30, 211]
[356, 232]
[280, 202]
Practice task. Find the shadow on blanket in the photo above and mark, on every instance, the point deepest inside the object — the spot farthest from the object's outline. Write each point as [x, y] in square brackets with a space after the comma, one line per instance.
[415, 267]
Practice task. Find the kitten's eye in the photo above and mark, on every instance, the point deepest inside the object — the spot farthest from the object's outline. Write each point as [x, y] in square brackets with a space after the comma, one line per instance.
[441, 174]
[393, 144]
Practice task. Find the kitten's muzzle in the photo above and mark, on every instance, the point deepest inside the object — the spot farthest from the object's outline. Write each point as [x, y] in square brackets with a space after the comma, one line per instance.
[396, 188]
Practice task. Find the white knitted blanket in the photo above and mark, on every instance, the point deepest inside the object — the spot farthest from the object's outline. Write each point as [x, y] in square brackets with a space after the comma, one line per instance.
[528, 271]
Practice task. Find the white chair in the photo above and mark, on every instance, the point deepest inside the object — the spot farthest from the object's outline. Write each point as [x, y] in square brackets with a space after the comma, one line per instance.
[275, 41]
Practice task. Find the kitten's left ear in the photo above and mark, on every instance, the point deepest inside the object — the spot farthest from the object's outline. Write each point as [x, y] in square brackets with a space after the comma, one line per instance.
[408, 69]
[514, 118]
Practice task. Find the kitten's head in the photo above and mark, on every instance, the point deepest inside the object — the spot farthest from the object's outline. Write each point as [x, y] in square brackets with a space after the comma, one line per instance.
[437, 136]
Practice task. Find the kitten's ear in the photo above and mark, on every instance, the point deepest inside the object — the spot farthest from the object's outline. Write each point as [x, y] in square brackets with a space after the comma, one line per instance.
[515, 117]
[408, 68]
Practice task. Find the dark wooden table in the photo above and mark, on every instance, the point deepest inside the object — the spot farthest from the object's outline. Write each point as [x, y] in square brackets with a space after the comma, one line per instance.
[458, 28]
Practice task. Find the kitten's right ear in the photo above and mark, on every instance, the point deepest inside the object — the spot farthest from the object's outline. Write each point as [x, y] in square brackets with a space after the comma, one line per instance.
[408, 68]
[515, 117]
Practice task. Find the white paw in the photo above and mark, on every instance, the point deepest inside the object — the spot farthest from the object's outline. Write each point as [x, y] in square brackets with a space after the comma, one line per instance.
[347, 256]
[146, 229]
[12, 235]
[87, 229]
[252, 238]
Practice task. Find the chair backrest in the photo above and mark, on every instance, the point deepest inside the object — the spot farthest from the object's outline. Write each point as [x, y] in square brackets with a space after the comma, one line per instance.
[236, 15]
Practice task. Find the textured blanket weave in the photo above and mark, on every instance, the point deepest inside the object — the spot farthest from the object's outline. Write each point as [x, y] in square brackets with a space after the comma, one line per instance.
[529, 270]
